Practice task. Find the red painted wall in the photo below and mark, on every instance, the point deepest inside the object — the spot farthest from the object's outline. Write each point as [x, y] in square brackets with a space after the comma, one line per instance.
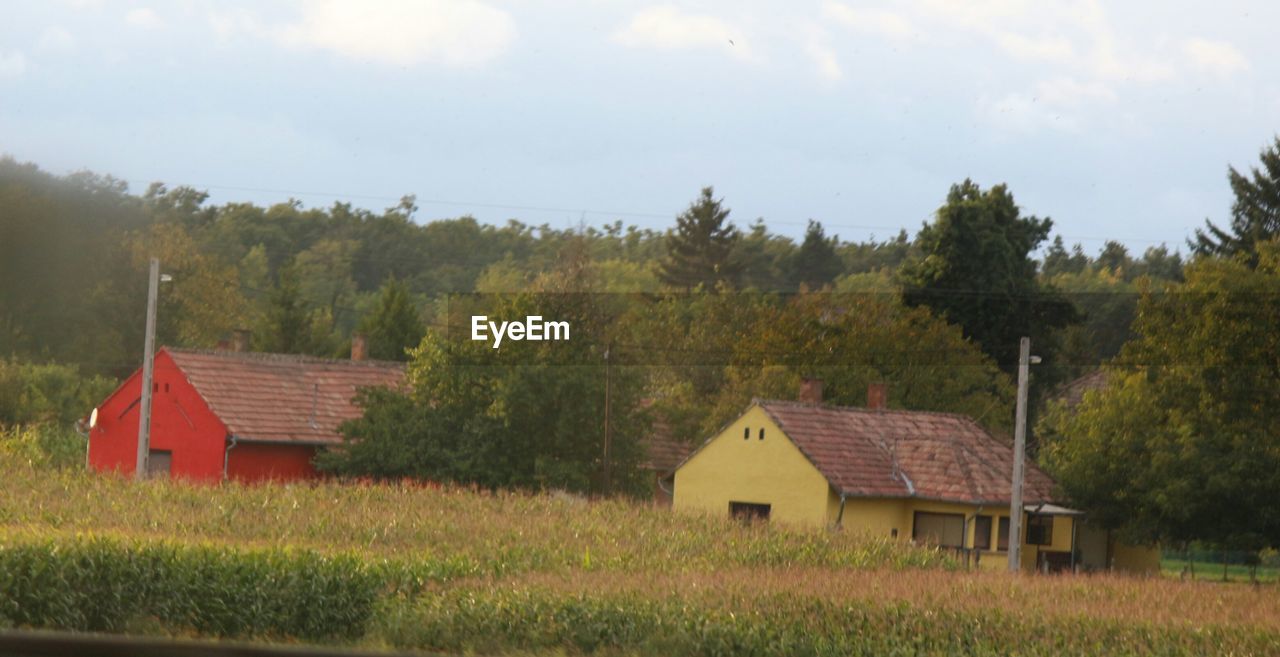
[184, 425]
[263, 461]
[180, 422]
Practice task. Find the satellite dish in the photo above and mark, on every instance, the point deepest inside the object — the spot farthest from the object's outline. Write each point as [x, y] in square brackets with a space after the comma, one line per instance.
[93, 418]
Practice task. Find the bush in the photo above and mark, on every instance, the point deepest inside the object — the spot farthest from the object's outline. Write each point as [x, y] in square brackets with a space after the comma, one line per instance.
[43, 446]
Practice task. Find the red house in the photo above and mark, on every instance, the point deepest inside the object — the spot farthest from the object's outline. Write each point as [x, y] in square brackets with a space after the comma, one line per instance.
[234, 414]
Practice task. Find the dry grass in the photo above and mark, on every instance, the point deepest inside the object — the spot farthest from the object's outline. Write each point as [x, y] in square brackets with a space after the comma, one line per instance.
[601, 572]
[500, 532]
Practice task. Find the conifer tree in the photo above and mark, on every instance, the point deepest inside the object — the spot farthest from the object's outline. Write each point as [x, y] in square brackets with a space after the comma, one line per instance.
[394, 326]
[700, 250]
[1255, 214]
[816, 263]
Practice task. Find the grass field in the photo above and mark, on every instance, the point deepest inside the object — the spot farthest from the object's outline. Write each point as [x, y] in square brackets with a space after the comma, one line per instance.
[1213, 572]
[461, 571]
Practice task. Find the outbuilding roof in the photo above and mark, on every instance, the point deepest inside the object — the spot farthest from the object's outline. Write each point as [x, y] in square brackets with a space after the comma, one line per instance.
[889, 453]
[282, 398]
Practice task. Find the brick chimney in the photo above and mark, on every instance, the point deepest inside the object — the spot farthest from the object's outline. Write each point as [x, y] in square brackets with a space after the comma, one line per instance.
[877, 396]
[359, 348]
[240, 340]
[811, 391]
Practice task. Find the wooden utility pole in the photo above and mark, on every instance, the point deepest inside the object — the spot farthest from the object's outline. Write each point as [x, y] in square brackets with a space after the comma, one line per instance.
[1019, 457]
[148, 365]
[608, 429]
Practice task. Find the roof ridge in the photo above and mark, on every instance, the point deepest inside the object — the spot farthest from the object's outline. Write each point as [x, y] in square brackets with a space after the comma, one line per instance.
[302, 359]
[863, 409]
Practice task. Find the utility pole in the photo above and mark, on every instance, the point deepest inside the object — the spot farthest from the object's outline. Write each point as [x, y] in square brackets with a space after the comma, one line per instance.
[608, 429]
[1019, 456]
[148, 365]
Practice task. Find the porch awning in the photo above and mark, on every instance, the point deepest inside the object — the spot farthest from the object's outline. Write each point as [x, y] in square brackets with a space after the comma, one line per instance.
[1051, 510]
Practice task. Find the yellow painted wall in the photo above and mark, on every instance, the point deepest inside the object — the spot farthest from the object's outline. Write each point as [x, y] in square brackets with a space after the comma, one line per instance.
[771, 471]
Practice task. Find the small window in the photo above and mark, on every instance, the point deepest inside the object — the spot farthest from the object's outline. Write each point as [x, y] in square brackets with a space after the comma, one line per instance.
[749, 511]
[159, 462]
[893, 533]
[982, 533]
[1040, 530]
[1002, 538]
[945, 529]
[166, 387]
[761, 433]
[746, 433]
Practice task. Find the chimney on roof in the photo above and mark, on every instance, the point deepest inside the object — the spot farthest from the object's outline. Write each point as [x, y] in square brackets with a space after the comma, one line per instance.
[877, 396]
[240, 340]
[811, 390]
[359, 348]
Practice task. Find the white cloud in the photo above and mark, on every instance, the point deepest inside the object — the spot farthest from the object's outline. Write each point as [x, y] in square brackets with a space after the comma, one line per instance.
[144, 17]
[824, 58]
[1216, 57]
[455, 33]
[668, 28]
[56, 39]
[12, 64]
[876, 21]
[1056, 49]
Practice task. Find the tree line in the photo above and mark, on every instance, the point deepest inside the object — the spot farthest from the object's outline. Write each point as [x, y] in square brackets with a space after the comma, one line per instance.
[693, 322]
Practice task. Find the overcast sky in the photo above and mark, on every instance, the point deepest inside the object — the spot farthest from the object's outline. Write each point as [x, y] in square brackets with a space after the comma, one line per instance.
[1116, 119]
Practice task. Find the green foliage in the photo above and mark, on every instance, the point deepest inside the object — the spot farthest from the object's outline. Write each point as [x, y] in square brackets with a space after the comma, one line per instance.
[1182, 444]
[394, 326]
[1255, 212]
[701, 248]
[816, 263]
[103, 585]
[32, 393]
[43, 446]
[975, 269]
[530, 415]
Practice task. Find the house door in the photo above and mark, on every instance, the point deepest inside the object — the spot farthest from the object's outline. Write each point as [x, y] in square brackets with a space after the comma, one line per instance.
[159, 463]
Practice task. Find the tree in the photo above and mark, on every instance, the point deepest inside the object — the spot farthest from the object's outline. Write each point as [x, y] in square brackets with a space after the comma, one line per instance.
[1255, 213]
[529, 415]
[1058, 260]
[974, 267]
[394, 327]
[700, 250]
[1183, 443]
[816, 263]
[289, 325]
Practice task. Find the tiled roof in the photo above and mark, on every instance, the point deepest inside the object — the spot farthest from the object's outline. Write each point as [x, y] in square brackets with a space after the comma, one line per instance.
[282, 398]
[884, 453]
[663, 451]
[1072, 392]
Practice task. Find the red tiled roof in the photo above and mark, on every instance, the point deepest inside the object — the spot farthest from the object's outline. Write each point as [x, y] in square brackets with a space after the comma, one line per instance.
[663, 451]
[282, 398]
[937, 456]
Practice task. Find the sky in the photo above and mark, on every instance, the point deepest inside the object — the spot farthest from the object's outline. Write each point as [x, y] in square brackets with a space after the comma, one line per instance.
[1116, 119]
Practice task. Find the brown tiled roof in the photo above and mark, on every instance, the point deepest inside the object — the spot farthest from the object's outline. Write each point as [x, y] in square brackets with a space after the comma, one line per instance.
[282, 398]
[937, 456]
[1072, 392]
[663, 451]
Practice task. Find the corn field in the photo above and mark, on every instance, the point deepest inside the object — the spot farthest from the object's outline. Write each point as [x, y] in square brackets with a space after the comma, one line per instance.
[455, 570]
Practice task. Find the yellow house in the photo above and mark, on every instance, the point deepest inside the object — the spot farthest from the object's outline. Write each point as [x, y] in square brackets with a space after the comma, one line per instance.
[932, 478]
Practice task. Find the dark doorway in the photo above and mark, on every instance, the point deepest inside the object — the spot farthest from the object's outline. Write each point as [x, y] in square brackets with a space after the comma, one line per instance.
[158, 464]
